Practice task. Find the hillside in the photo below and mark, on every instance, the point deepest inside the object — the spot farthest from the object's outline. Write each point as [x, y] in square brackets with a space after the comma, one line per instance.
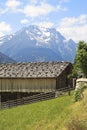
[6, 59]
[47, 115]
[38, 116]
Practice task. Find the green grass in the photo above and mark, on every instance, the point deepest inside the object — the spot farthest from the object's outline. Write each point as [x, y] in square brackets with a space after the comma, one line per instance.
[78, 116]
[47, 115]
[37, 116]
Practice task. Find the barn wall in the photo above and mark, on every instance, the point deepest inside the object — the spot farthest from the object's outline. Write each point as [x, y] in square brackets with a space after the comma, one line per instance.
[62, 81]
[27, 85]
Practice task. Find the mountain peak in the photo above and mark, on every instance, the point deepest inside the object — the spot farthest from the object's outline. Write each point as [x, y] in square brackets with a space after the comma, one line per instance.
[32, 39]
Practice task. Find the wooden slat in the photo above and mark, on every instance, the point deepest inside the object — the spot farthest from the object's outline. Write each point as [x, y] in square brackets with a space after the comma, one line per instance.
[34, 98]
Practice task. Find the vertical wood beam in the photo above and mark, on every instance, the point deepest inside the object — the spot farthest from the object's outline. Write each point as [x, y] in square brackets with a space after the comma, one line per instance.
[0, 100]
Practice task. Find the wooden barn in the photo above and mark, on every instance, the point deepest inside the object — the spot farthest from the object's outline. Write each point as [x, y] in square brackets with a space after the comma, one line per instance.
[33, 77]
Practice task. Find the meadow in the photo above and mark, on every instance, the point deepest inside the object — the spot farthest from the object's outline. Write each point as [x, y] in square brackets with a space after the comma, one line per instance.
[57, 114]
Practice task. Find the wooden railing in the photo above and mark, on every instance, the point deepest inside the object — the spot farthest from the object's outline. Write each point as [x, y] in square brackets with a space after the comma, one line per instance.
[34, 98]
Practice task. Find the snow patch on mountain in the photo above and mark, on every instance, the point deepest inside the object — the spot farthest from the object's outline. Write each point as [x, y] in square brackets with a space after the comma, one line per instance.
[38, 43]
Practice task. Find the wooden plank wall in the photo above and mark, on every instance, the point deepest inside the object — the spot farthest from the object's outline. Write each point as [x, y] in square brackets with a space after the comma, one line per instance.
[27, 85]
[62, 81]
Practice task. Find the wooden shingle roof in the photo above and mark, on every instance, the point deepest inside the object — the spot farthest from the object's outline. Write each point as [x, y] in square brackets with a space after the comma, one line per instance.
[32, 70]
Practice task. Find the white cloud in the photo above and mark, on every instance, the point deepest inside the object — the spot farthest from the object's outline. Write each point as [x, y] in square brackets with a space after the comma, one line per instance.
[38, 10]
[4, 28]
[24, 21]
[45, 24]
[41, 9]
[2, 11]
[13, 5]
[59, 7]
[33, 8]
[74, 27]
[75, 21]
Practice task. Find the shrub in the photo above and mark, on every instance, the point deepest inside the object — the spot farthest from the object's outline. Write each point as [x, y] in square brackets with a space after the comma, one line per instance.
[78, 95]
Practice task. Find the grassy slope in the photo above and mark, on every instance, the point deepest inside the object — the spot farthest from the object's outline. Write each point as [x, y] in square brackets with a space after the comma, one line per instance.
[46, 115]
[78, 117]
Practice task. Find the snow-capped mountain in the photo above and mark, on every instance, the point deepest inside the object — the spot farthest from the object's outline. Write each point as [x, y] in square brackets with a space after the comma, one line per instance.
[36, 43]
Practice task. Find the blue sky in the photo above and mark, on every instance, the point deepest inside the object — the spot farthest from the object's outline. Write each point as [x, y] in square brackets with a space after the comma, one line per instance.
[69, 17]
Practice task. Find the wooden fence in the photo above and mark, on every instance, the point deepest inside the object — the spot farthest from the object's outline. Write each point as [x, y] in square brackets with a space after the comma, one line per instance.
[34, 98]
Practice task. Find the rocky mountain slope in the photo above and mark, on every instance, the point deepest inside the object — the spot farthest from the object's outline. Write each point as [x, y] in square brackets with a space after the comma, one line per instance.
[5, 59]
[36, 43]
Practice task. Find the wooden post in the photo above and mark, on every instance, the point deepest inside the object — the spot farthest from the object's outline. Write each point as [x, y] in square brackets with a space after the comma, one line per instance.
[69, 90]
[74, 83]
[0, 101]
